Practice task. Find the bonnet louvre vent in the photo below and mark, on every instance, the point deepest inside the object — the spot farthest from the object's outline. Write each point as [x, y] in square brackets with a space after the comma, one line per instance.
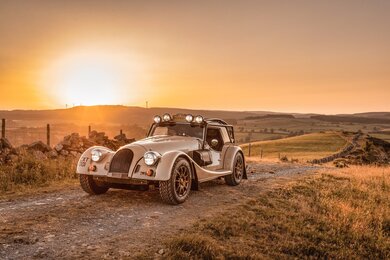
[121, 161]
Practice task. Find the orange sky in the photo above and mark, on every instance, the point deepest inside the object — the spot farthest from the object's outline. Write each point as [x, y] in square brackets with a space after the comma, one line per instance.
[293, 56]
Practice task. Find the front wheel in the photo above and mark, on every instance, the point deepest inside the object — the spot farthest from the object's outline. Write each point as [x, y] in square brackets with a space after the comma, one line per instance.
[177, 189]
[90, 186]
[238, 171]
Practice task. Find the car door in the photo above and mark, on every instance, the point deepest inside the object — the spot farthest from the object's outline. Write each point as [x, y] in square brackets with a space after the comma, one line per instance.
[220, 134]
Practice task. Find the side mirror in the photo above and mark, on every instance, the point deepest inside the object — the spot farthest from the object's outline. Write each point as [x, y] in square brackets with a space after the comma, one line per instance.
[214, 143]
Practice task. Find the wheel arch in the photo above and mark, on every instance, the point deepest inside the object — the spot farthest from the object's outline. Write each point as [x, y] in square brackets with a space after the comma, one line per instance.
[164, 167]
[229, 159]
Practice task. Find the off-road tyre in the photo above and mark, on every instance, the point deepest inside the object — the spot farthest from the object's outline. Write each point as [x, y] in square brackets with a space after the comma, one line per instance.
[90, 186]
[238, 171]
[170, 192]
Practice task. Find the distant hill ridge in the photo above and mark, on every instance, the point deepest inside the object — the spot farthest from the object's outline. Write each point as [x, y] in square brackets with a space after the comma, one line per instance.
[270, 116]
[142, 116]
[352, 119]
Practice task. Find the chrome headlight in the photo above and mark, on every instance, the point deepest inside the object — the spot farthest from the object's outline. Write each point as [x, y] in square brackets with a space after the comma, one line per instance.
[151, 158]
[189, 118]
[167, 117]
[157, 119]
[96, 155]
[199, 119]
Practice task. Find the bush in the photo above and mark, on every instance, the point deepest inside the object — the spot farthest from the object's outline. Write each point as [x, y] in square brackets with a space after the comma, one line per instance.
[30, 171]
[284, 158]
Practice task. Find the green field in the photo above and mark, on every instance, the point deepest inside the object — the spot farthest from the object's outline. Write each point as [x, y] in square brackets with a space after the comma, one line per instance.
[305, 147]
[277, 128]
[241, 137]
[385, 137]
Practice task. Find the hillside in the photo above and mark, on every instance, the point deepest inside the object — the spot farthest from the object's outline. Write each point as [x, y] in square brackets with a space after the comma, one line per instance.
[112, 114]
[352, 119]
[304, 147]
[140, 115]
[26, 126]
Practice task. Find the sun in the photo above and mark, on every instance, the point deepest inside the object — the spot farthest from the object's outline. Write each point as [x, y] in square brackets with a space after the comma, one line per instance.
[91, 82]
[90, 78]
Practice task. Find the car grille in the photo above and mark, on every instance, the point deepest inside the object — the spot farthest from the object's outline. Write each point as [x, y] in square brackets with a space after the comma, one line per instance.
[121, 161]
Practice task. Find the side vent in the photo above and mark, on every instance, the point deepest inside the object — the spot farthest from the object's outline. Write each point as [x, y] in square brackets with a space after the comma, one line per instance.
[121, 161]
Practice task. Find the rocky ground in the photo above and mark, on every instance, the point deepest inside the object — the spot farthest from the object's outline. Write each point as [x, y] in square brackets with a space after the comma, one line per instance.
[362, 149]
[122, 224]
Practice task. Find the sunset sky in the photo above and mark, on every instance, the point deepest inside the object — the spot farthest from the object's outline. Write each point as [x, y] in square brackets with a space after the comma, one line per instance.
[291, 56]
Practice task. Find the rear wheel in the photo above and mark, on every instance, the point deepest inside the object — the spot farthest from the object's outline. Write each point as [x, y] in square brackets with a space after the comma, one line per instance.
[177, 189]
[238, 171]
[89, 185]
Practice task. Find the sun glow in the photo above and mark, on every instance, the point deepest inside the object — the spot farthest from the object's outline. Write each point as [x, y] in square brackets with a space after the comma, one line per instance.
[92, 79]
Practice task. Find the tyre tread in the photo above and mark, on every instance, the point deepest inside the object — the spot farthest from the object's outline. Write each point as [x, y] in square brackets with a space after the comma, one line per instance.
[167, 188]
[89, 185]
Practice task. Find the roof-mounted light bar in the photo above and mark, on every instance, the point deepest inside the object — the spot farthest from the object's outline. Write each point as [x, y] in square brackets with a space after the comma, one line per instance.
[167, 117]
[188, 118]
[157, 119]
[199, 119]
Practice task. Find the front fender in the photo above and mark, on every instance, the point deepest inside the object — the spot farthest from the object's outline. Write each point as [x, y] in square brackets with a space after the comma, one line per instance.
[164, 167]
[101, 166]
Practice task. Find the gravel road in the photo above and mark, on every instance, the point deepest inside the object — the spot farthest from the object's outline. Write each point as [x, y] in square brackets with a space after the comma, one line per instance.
[120, 224]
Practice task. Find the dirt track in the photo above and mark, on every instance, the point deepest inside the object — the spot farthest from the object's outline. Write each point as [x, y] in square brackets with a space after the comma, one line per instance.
[120, 224]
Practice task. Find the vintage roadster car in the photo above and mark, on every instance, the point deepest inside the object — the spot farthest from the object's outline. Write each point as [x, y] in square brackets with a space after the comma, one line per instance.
[179, 152]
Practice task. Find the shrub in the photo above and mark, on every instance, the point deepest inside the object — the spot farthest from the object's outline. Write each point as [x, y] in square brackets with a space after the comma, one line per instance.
[30, 171]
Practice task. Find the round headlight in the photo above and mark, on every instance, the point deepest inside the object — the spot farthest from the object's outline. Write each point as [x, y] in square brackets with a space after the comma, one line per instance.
[157, 119]
[151, 158]
[199, 119]
[189, 118]
[96, 155]
[167, 117]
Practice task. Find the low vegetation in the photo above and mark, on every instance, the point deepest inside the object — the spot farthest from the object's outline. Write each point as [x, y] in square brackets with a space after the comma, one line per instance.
[29, 172]
[338, 214]
[305, 147]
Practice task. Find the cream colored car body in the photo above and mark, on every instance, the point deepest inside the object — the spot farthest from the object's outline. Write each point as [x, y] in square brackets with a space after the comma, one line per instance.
[170, 148]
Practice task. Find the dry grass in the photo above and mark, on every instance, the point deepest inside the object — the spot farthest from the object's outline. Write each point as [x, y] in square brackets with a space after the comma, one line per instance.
[385, 137]
[305, 147]
[343, 214]
[30, 173]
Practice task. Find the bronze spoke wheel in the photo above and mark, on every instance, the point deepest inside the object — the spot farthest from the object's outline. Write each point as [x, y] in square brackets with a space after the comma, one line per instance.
[238, 168]
[178, 187]
[238, 171]
[182, 181]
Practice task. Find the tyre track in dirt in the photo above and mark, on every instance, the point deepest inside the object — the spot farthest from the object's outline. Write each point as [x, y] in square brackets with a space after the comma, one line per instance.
[120, 223]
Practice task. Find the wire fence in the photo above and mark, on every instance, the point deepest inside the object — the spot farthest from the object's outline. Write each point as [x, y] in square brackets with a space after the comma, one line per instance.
[27, 132]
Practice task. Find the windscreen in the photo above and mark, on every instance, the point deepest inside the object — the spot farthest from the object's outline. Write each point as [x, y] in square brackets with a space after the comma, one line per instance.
[178, 130]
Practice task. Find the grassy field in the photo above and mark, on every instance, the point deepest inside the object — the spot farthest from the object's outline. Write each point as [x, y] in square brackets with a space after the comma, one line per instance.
[343, 214]
[240, 137]
[385, 137]
[307, 125]
[305, 147]
[29, 173]
[284, 126]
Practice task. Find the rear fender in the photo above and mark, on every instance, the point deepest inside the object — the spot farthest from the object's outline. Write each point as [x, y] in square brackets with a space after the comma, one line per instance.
[229, 159]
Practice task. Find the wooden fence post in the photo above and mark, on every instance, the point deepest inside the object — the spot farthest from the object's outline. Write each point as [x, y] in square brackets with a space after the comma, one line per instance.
[48, 134]
[89, 130]
[3, 128]
[249, 149]
[121, 132]
[261, 153]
